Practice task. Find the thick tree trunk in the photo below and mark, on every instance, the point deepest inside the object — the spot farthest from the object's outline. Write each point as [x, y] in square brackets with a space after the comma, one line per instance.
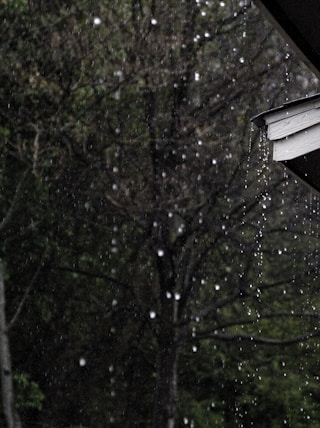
[167, 355]
[7, 393]
[166, 388]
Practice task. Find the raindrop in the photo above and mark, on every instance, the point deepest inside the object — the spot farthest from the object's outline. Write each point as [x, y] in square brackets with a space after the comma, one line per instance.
[180, 228]
[154, 21]
[152, 315]
[222, 4]
[194, 348]
[160, 252]
[241, 59]
[177, 296]
[168, 294]
[96, 20]
[82, 362]
[217, 287]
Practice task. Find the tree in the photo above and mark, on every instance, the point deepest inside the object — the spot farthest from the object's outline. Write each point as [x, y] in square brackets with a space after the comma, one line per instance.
[8, 400]
[156, 220]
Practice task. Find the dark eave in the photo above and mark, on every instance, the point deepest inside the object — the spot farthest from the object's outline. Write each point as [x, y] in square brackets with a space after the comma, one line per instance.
[298, 21]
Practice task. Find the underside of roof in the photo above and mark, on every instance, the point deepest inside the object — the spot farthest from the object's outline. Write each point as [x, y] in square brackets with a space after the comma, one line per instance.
[298, 21]
[306, 168]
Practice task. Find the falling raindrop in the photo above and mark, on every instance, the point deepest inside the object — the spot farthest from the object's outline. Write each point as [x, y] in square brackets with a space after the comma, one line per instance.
[82, 362]
[160, 252]
[152, 315]
[96, 20]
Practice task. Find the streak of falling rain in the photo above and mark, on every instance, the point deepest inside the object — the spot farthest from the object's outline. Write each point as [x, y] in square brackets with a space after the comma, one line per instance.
[263, 176]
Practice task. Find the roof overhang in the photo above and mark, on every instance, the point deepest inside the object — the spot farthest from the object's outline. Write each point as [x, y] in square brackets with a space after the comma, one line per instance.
[298, 21]
[293, 130]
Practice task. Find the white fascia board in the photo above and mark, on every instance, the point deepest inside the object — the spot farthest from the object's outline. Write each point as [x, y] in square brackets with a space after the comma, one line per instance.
[292, 124]
[271, 117]
[297, 144]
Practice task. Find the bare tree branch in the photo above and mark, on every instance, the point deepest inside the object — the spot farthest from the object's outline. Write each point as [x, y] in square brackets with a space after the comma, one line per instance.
[7, 218]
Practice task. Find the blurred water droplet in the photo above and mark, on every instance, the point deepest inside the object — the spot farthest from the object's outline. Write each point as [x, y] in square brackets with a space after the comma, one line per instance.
[96, 20]
[177, 296]
[82, 362]
[152, 314]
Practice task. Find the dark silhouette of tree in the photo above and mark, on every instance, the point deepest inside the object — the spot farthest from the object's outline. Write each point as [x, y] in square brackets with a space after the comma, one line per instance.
[149, 204]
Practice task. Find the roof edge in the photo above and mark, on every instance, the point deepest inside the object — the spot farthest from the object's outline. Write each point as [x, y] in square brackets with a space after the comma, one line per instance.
[259, 119]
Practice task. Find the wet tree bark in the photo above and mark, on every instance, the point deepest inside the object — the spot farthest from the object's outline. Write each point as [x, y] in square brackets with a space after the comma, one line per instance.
[166, 388]
[8, 403]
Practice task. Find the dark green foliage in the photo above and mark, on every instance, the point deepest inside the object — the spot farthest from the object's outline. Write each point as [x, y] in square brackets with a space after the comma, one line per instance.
[141, 215]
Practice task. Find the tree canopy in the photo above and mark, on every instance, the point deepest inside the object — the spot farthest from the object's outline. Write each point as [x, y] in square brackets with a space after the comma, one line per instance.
[159, 269]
